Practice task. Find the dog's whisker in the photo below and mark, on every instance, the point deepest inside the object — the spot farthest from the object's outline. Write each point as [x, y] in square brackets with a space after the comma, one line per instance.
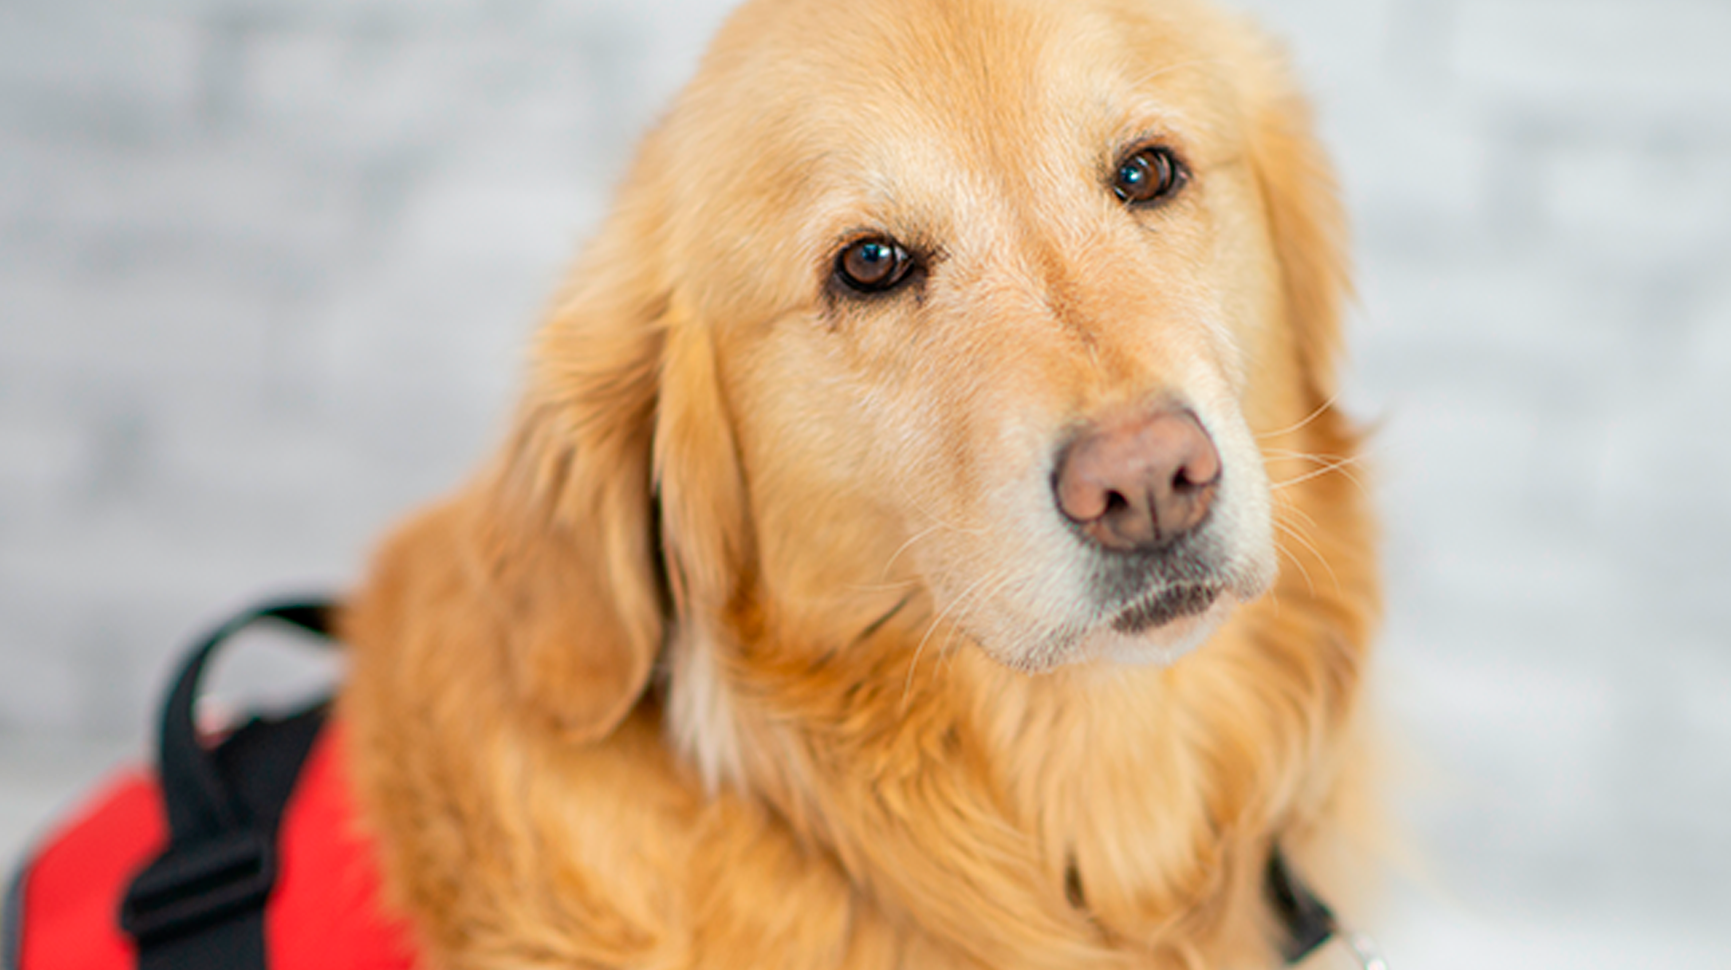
[1324, 460]
[1321, 409]
[1309, 582]
[1305, 518]
[956, 612]
[967, 607]
[1271, 455]
[1281, 550]
[1343, 467]
[1326, 464]
[931, 628]
[1303, 537]
[923, 533]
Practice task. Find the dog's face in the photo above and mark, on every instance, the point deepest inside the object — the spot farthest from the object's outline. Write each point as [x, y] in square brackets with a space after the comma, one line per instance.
[987, 289]
[966, 303]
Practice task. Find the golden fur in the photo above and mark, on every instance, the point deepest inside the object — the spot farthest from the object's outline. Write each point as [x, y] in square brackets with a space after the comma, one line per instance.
[742, 651]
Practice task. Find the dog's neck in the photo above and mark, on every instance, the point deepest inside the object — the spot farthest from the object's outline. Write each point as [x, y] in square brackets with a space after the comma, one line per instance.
[1084, 805]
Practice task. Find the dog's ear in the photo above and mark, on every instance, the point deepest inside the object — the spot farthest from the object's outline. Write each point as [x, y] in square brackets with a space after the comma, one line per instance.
[617, 502]
[540, 584]
[1305, 219]
[620, 503]
[565, 524]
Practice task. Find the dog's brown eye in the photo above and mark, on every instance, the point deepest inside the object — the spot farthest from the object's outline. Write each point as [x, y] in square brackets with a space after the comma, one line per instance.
[873, 265]
[1147, 176]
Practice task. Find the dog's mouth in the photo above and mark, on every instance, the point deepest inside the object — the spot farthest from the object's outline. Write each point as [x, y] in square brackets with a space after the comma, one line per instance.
[1164, 606]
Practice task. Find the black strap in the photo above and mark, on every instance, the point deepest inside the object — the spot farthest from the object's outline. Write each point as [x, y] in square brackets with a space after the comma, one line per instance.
[1306, 922]
[12, 921]
[200, 905]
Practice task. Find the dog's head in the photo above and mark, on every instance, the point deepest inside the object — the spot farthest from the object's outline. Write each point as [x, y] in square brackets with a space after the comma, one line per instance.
[975, 302]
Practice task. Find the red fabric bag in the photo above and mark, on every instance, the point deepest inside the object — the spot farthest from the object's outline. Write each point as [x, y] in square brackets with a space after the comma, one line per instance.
[320, 899]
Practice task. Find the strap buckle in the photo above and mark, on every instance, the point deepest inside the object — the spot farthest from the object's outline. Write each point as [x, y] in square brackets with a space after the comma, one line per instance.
[196, 884]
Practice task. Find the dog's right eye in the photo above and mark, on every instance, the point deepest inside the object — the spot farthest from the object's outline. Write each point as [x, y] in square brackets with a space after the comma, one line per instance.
[1149, 176]
[873, 265]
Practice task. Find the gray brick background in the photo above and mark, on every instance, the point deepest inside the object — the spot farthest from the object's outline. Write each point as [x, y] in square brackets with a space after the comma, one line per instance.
[267, 268]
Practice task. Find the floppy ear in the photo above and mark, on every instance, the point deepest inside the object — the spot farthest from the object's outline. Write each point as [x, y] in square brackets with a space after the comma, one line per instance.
[565, 524]
[542, 578]
[1306, 221]
[620, 499]
[617, 500]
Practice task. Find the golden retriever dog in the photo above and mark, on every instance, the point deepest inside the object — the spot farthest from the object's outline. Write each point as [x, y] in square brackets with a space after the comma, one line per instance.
[921, 542]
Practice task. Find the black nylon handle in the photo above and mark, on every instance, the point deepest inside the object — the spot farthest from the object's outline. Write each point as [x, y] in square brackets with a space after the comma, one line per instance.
[200, 904]
[199, 804]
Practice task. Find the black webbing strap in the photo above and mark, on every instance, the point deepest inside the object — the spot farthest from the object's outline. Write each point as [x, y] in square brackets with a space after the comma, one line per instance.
[200, 905]
[1306, 922]
[12, 921]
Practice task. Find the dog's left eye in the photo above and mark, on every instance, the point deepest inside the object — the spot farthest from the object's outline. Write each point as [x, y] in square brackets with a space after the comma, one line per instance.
[1147, 176]
[873, 265]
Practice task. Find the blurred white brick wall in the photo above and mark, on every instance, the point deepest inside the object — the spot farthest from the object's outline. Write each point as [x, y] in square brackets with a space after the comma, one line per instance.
[1544, 210]
[265, 270]
[266, 267]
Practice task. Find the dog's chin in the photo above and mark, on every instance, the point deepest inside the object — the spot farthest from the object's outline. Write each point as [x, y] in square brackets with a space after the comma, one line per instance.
[1161, 630]
[1158, 631]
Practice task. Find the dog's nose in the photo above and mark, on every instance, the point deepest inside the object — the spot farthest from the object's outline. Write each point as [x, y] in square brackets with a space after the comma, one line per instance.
[1138, 484]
